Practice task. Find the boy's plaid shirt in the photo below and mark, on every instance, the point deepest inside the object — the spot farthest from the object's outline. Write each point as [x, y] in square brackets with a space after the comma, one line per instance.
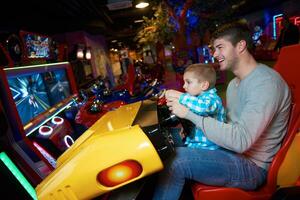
[206, 104]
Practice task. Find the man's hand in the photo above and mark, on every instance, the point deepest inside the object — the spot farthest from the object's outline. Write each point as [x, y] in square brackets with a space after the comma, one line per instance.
[173, 94]
[176, 108]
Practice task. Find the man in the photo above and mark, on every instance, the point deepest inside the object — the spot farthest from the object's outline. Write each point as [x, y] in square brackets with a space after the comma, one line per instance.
[258, 104]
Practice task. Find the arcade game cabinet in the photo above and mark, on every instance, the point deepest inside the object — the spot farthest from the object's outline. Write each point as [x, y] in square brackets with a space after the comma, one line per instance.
[38, 100]
[123, 146]
[71, 162]
[80, 60]
[15, 185]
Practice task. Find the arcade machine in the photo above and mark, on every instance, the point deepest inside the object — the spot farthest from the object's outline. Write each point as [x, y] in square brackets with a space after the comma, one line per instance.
[122, 147]
[15, 186]
[80, 60]
[102, 99]
[38, 100]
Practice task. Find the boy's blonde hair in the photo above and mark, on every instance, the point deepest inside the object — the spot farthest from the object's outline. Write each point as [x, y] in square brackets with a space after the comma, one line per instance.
[203, 72]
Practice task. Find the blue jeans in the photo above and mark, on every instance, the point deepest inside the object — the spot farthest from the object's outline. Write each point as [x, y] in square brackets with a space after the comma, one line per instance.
[212, 167]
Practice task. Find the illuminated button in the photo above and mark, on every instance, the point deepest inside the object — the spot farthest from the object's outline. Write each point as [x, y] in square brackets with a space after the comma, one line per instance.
[45, 130]
[120, 173]
[57, 120]
[68, 140]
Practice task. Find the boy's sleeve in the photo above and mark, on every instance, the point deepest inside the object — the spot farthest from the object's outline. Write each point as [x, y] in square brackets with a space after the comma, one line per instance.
[200, 106]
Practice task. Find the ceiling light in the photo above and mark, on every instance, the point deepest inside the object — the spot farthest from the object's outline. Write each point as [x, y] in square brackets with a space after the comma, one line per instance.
[88, 54]
[142, 4]
[138, 21]
[80, 53]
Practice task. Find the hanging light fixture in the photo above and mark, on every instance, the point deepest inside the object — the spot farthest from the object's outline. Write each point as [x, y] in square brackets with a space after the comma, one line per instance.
[79, 53]
[141, 4]
[88, 54]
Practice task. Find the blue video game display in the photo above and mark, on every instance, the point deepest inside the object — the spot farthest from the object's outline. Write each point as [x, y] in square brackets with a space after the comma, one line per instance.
[57, 85]
[36, 92]
[30, 96]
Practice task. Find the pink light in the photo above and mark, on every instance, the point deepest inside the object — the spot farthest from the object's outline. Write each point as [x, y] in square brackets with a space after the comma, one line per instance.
[57, 120]
[297, 21]
[45, 130]
[50, 158]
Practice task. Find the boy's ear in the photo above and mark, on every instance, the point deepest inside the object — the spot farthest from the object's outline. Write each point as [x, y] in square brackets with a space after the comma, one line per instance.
[205, 85]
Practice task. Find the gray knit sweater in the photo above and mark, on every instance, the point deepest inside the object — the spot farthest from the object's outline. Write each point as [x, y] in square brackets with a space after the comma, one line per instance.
[258, 110]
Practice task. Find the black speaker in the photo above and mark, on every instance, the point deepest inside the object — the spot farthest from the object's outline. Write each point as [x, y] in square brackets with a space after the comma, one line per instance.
[10, 50]
[14, 48]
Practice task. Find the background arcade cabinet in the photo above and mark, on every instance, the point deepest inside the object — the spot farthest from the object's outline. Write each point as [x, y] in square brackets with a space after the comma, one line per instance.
[12, 162]
[10, 49]
[38, 101]
[80, 60]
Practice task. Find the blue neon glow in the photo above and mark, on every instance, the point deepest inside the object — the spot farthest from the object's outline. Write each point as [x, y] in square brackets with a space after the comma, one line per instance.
[274, 26]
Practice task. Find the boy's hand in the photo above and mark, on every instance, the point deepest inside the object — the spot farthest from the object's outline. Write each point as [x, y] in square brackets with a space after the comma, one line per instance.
[176, 108]
[172, 94]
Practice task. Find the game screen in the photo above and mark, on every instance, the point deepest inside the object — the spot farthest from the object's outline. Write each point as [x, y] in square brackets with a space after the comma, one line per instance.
[34, 93]
[30, 96]
[57, 85]
[36, 46]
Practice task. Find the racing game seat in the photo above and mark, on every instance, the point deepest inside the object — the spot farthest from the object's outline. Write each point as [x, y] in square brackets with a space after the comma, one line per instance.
[288, 65]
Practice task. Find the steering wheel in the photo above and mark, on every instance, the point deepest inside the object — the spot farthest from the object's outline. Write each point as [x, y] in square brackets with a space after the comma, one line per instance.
[168, 119]
[151, 90]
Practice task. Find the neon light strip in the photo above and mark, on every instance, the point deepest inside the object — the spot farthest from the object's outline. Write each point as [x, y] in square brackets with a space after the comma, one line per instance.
[49, 118]
[19, 176]
[34, 66]
[46, 155]
[297, 21]
[274, 25]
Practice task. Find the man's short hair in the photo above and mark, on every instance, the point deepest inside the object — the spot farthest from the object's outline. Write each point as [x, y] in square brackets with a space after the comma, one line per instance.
[203, 72]
[234, 32]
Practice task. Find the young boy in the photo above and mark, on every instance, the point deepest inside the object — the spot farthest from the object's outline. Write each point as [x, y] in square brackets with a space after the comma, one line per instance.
[202, 99]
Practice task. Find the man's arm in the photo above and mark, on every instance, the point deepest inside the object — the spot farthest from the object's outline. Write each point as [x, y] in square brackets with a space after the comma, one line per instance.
[254, 119]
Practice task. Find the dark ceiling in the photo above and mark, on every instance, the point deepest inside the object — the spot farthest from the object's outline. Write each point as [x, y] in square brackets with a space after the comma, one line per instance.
[57, 16]
[93, 16]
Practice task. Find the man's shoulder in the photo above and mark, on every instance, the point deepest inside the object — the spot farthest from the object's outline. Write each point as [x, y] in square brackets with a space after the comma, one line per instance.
[265, 72]
[267, 77]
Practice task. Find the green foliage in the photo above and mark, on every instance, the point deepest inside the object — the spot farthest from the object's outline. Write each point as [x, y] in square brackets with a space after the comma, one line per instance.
[156, 29]
[210, 13]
